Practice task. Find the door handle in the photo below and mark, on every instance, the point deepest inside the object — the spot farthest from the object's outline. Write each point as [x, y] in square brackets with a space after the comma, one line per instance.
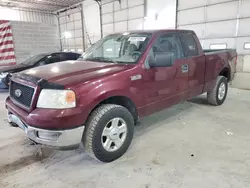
[184, 68]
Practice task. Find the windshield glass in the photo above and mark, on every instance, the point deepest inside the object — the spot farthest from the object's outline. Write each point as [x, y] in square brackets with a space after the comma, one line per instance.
[118, 48]
[34, 59]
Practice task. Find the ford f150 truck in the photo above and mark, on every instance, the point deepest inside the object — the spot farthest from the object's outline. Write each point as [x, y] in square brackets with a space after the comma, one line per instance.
[98, 99]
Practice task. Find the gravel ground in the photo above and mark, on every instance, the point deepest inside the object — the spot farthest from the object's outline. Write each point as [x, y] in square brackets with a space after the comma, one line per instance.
[191, 144]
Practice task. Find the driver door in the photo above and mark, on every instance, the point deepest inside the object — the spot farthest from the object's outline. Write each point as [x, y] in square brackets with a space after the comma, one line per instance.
[166, 85]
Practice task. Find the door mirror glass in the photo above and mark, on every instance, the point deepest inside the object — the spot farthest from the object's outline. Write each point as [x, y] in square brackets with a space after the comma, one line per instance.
[162, 60]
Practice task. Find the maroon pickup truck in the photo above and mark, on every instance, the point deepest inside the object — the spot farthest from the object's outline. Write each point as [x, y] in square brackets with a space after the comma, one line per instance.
[98, 99]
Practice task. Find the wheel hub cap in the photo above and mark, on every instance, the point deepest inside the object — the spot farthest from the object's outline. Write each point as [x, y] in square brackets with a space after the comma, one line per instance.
[114, 134]
[222, 91]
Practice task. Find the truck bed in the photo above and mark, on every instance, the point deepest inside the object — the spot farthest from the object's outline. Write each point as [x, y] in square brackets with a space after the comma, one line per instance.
[209, 51]
[215, 58]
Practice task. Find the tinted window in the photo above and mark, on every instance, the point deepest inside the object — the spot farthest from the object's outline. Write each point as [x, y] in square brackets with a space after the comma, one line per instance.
[167, 44]
[77, 56]
[52, 58]
[189, 45]
[72, 56]
[63, 56]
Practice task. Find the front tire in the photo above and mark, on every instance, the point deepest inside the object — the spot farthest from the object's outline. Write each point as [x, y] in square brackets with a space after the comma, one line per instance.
[109, 132]
[218, 94]
[13, 124]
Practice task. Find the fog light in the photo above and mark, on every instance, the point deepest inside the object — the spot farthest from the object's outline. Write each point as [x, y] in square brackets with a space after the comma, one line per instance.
[48, 135]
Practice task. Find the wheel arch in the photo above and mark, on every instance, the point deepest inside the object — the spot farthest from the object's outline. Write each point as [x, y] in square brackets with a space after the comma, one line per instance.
[226, 73]
[121, 100]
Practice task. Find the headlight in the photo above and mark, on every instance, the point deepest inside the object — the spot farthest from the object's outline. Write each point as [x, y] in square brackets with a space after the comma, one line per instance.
[56, 99]
[3, 74]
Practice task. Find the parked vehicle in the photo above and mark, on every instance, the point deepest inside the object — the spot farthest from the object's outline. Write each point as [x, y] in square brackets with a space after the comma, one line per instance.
[35, 61]
[124, 77]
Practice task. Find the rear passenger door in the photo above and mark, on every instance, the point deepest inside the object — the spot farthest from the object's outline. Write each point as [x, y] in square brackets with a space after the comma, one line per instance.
[194, 61]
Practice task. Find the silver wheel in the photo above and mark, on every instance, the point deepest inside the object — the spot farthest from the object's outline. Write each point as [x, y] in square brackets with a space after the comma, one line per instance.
[222, 91]
[114, 134]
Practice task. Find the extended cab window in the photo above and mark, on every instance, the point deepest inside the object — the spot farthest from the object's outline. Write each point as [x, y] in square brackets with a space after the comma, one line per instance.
[167, 45]
[189, 45]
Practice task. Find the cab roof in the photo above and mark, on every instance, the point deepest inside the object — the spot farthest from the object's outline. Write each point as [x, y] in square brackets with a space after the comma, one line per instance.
[154, 31]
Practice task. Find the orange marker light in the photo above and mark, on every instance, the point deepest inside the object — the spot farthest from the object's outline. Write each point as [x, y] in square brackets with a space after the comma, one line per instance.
[70, 97]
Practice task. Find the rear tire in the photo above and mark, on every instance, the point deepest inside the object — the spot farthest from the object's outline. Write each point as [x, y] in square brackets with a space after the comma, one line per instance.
[218, 94]
[109, 132]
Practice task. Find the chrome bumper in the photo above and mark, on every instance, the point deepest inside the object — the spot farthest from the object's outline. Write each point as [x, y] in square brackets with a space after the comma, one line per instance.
[62, 139]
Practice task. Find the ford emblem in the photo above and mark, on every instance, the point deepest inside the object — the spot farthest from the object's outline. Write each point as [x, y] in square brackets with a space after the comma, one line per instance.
[18, 93]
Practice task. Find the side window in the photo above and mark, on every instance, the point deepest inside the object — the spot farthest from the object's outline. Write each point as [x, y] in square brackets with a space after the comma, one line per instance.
[189, 45]
[166, 48]
[76, 56]
[64, 57]
[52, 58]
[72, 56]
[41, 62]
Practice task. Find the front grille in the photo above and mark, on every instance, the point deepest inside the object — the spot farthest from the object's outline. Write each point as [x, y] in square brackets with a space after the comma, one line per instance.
[21, 93]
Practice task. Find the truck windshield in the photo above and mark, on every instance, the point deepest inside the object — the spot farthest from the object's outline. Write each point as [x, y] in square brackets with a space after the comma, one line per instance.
[118, 48]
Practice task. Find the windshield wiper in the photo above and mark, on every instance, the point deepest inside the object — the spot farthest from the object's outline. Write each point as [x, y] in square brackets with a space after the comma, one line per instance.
[103, 59]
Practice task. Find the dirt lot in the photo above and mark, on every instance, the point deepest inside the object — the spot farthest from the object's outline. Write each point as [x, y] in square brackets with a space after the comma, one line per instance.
[190, 145]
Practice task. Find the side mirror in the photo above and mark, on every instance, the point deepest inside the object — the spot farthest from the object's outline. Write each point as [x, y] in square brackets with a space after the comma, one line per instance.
[162, 60]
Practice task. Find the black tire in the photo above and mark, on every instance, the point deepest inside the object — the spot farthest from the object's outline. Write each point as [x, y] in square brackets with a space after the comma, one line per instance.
[212, 96]
[13, 124]
[92, 137]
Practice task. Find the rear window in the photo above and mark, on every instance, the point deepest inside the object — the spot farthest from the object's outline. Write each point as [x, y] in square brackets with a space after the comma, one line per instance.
[189, 45]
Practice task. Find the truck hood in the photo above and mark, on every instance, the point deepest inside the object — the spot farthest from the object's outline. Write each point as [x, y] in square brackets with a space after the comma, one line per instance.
[74, 72]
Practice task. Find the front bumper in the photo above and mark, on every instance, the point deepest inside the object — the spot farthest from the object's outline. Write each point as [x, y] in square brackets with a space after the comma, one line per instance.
[60, 139]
